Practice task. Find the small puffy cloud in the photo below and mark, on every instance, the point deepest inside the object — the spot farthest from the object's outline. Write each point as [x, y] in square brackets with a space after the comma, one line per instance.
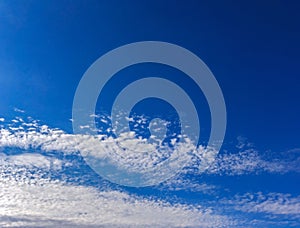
[19, 110]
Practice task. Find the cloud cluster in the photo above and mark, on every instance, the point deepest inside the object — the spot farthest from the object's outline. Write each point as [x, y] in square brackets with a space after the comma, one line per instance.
[49, 203]
[126, 152]
[28, 197]
[31, 134]
[31, 161]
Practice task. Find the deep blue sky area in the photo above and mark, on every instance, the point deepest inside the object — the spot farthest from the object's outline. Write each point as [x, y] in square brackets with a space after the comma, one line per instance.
[252, 47]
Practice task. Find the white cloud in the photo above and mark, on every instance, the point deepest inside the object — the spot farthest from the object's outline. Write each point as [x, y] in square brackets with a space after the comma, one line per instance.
[270, 203]
[19, 110]
[49, 203]
[31, 160]
[123, 149]
[28, 201]
[188, 185]
[125, 152]
[249, 161]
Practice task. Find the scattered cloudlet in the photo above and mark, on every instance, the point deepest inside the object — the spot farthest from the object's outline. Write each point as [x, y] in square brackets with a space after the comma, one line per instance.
[250, 162]
[270, 203]
[268, 207]
[19, 110]
[180, 183]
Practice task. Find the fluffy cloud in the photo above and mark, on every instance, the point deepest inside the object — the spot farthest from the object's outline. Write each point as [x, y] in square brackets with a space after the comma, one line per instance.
[31, 134]
[28, 199]
[30, 160]
[49, 203]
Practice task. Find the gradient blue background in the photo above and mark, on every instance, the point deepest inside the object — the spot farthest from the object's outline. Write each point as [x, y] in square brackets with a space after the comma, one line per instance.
[252, 47]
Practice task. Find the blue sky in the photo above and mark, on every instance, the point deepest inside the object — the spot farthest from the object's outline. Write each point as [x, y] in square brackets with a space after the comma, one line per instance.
[251, 47]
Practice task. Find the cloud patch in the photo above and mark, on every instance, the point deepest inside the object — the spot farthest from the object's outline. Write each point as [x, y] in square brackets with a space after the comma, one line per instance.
[50, 202]
[251, 162]
[31, 161]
